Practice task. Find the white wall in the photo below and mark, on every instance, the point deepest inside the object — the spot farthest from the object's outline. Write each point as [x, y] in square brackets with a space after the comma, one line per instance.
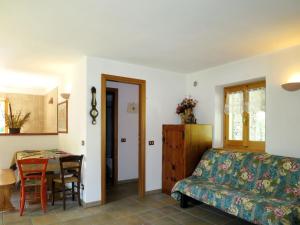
[282, 109]
[75, 82]
[163, 91]
[50, 111]
[10, 144]
[128, 127]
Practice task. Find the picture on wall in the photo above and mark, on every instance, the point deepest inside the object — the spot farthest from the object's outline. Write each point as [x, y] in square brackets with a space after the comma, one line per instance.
[62, 117]
[132, 107]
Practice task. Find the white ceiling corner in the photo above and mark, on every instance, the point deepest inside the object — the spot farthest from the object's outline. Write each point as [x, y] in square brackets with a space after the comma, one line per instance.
[175, 35]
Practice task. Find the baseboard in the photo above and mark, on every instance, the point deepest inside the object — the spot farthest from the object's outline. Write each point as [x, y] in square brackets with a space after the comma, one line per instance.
[90, 204]
[128, 181]
[98, 203]
[156, 191]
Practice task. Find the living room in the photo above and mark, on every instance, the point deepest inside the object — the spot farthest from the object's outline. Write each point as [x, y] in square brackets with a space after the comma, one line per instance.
[171, 50]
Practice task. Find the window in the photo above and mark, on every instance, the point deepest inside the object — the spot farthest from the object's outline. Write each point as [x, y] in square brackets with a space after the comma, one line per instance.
[244, 116]
[3, 109]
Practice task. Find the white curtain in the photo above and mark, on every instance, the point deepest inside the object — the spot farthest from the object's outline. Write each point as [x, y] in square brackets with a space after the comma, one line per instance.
[234, 103]
[257, 100]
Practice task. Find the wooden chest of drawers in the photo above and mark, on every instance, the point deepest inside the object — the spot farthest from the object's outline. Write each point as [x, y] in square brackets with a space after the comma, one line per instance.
[183, 146]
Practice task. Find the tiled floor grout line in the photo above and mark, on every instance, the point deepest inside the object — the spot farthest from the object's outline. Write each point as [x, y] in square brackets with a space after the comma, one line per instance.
[136, 208]
[183, 211]
[197, 217]
[205, 217]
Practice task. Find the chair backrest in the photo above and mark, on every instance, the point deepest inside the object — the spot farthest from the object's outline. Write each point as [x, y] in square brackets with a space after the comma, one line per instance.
[71, 165]
[33, 169]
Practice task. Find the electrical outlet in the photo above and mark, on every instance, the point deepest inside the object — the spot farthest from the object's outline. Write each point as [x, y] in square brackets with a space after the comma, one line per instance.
[82, 143]
[151, 142]
[82, 186]
[123, 139]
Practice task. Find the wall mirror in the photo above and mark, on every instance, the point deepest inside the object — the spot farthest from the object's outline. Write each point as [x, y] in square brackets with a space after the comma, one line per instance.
[62, 115]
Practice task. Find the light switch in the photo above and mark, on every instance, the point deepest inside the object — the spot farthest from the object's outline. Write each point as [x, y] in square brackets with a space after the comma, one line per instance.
[151, 142]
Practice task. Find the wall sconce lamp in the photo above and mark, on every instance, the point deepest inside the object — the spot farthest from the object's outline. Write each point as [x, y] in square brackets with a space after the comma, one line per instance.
[65, 96]
[50, 101]
[293, 84]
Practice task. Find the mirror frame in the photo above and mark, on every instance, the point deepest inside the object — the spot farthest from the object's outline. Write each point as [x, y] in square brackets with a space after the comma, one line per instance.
[61, 104]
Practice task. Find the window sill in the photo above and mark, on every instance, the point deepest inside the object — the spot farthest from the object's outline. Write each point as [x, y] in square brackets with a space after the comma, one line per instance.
[28, 134]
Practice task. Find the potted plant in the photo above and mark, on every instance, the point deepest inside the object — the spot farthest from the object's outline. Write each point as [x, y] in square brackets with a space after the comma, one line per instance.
[15, 121]
[185, 111]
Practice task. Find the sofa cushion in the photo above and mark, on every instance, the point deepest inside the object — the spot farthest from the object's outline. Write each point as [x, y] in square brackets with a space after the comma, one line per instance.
[262, 173]
[250, 206]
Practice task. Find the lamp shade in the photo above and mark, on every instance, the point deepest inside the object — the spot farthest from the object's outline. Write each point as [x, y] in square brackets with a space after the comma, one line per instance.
[65, 95]
[291, 86]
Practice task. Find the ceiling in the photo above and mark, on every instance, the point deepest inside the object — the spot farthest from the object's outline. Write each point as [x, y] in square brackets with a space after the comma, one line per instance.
[27, 83]
[183, 36]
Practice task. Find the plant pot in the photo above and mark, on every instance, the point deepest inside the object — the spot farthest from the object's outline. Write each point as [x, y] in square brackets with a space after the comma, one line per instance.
[182, 117]
[14, 130]
[188, 117]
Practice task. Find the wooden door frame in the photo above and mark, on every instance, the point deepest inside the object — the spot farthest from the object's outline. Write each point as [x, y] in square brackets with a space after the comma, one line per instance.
[115, 92]
[142, 131]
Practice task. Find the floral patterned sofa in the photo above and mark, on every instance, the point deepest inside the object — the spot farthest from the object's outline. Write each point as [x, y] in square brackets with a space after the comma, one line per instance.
[260, 188]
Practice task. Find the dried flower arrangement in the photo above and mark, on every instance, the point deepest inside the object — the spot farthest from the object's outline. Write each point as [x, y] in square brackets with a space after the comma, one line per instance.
[15, 121]
[185, 110]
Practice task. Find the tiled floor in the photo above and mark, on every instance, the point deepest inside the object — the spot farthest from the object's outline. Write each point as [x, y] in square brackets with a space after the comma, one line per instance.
[154, 209]
[120, 191]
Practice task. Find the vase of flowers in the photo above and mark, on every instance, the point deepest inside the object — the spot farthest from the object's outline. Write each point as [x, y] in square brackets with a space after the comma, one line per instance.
[185, 111]
[16, 121]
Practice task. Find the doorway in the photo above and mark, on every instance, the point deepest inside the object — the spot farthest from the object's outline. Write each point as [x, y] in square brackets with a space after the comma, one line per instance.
[104, 133]
[111, 136]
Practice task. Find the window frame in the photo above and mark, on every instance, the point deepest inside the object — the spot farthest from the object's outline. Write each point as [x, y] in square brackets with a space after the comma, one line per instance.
[5, 100]
[245, 144]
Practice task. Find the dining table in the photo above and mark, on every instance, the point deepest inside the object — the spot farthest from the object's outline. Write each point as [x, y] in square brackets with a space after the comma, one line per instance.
[52, 155]
[53, 166]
